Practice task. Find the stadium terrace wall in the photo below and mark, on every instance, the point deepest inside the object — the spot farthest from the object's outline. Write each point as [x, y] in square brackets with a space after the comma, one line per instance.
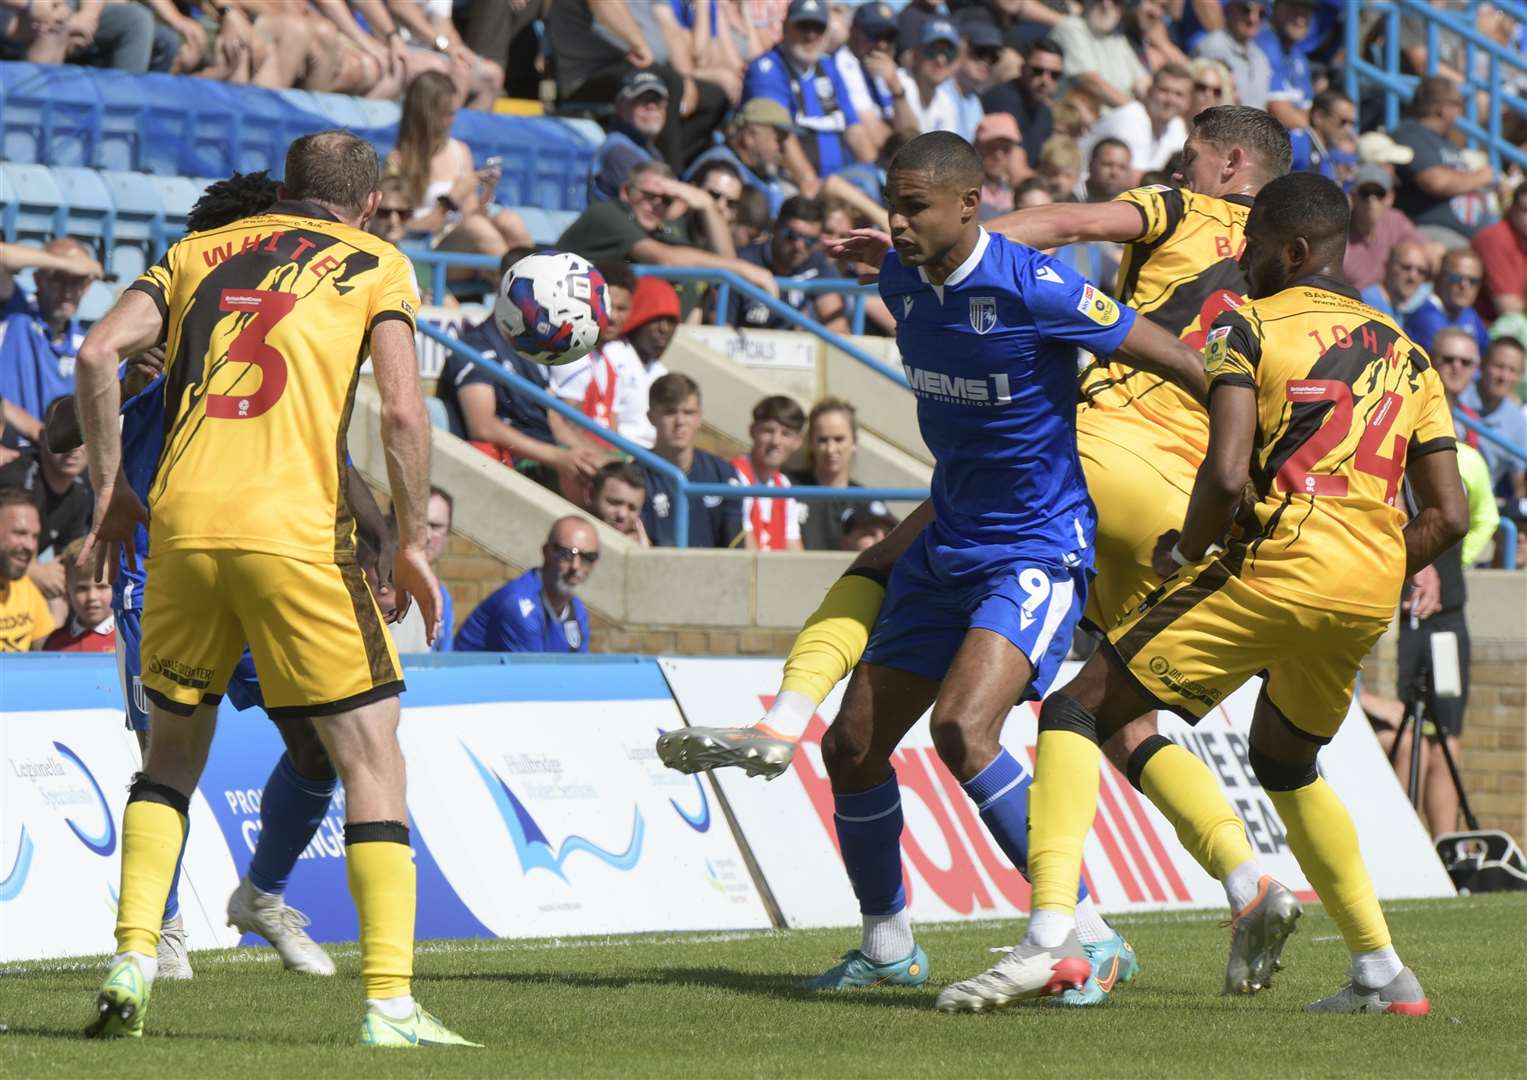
[538, 808]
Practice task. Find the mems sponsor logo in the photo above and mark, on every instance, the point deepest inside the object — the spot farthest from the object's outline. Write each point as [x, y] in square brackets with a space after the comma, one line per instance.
[959, 389]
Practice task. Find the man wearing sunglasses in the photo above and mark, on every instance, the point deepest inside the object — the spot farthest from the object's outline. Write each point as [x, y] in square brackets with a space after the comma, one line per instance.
[1329, 145]
[539, 611]
[1236, 47]
[1027, 98]
[1375, 228]
[1452, 301]
[867, 63]
[929, 80]
[793, 251]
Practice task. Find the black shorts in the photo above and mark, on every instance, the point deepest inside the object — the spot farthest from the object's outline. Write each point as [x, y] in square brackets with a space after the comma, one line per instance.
[1415, 659]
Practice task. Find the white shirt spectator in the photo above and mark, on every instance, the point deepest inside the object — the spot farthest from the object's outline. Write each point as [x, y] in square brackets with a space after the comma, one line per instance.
[1131, 125]
[628, 404]
[943, 113]
[1110, 57]
[852, 74]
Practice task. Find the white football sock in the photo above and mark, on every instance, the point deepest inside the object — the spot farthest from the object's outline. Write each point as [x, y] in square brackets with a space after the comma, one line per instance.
[149, 965]
[887, 938]
[398, 1008]
[790, 714]
[1376, 969]
[1047, 929]
[1090, 927]
[1242, 885]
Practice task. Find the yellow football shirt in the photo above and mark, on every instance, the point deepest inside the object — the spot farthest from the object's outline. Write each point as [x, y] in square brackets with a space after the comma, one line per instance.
[1181, 272]
[267, 322]
[24, 615]
[1344, 400]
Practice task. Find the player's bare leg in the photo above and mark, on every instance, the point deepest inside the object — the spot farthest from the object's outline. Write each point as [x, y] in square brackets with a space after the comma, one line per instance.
[363, 744]
[153, 833]
[1324, 840]
[879, 707]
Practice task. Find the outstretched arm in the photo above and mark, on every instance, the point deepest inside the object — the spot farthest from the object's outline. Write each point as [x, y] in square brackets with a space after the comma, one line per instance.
[1150, 348]
[1059, 224]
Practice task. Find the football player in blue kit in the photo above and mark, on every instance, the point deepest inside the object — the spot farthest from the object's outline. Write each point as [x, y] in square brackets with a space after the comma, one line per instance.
[296, 797]
[980, 610]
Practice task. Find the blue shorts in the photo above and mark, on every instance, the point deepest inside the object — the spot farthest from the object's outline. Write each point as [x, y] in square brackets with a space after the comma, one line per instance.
[927, 612]
[243, 687]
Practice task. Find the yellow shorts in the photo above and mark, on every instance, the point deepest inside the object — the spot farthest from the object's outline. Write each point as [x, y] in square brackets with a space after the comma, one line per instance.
[1136, 502]
[319, 643]
[1201, 635]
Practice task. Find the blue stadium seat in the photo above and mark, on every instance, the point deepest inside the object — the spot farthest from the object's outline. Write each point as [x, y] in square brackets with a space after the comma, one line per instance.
[90, 213]
[140, 222]
[560, 220]
[561, 178]
[52, 114]
[538, 222]
[588, 131]
[121, 140]
[96, 302]
[177, 195]
[34, 207]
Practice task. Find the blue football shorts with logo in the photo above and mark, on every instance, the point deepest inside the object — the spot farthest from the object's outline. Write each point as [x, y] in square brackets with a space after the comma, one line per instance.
[243, 687]
[929, 609]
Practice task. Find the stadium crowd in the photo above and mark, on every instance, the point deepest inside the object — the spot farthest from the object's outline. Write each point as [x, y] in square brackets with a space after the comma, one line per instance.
[742, 136]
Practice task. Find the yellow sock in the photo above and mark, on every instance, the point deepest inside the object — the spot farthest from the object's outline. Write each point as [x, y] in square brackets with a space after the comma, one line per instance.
[1183, 788]
[833, 639]
[1062, 803]
[381, 876]
[1324, 840]
[152, 835]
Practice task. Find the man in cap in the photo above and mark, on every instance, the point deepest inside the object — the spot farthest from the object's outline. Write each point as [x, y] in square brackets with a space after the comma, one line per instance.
[929, 79]
[641, 110]
[754, 144]
[797, 74]
[1000, 145]
[1440, 190]
[1236, 47]
[1375, 227]
[867, 64]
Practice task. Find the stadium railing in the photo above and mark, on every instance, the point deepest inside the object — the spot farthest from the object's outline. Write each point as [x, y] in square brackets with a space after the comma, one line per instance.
[1508, 527]
[651, 460]
[1437, 20]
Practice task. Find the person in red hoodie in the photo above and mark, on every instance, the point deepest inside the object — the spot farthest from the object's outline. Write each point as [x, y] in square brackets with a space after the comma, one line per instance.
[90, 627]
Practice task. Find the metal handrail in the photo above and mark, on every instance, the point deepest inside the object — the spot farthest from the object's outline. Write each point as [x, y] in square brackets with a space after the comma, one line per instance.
[1489, 436]
[686, 488]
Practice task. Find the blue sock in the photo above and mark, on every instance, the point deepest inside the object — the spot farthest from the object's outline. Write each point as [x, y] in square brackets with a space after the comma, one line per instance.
[1001, 794]
[869, 835]
[291, 810]
[172, 902]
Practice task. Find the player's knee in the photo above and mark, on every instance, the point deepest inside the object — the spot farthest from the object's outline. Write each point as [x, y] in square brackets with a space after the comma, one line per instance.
[312, 762]
[145, 790]
[1278, 775]
[845, 749]
[1062, 712]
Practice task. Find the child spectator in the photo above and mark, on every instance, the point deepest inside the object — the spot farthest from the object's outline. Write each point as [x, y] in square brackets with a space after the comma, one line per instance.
[866, 525]
[771, 524]
[676, 418]
[90, 627]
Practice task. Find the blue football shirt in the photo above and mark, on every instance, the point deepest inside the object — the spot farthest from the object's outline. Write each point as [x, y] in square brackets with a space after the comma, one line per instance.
[142, 441]
[992, 358]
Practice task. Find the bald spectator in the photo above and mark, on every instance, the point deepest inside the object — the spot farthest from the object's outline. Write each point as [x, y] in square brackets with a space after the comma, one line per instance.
[39, 334]
[1404, 287]
[1236, 47]
[1452, 301]
[24, 617]
[1375, 227]
[1503, 247]
[618, 495]
[539, 611]
[1439, 189]
[1154, 129]
[1099, 56]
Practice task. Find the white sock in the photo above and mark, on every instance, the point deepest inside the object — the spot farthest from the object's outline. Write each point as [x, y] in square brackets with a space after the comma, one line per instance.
[147, 964]
[398, 1008]
[1376, 969]
[888, 938]
[1090, 927]
[1242, 886]
[1047, 929]
[790, 714]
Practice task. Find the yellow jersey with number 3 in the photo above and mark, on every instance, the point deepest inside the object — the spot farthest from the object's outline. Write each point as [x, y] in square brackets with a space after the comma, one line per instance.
[267, 322]
[1344, 400]
[1181, 272]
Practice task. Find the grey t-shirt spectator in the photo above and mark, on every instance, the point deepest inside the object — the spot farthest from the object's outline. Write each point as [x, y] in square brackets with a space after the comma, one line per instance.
[1249, 66]
[755, 316]
[1462, 213]
[608, 231]
[582, 45]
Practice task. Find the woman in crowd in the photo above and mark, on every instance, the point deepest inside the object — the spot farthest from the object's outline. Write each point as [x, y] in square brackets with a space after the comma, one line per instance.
[832, 438]
[1212, 85]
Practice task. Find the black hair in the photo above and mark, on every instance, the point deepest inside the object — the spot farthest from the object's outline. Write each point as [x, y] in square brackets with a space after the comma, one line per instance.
[618, 272]
[945, 157]
[626, 472]
[718, 165]
[800, 208]
[226, 201]
[1326, 100]
[1045, 45]
[1304, 204]
[1252, 130]
[753, 209]
[1104, 143]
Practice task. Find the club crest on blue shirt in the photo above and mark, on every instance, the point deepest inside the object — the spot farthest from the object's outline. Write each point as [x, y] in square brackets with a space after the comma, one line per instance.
[906, 306]
[983, 313]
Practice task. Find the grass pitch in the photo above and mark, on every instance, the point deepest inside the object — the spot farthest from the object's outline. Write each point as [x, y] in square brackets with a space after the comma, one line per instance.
[726, 1005]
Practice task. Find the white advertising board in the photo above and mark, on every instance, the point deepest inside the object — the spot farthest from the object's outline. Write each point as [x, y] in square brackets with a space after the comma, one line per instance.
[953, 868]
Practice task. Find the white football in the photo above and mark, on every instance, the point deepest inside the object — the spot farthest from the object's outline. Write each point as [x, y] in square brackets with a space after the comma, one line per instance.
[551, 307]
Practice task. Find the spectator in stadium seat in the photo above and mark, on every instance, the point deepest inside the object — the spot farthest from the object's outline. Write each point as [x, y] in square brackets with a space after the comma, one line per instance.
[618, 493]
[1110, 170]
[1492, 397]
[641, 110]
[89, 627]
[1291, 88]
[1405, 286]
[39, 334]
[429, 29]
[1060, 167]
[722, 181]
[798, 75]
[1151, 130]
[1503, 247]
[1452, 301]
[1375, 228]
[539, 611]
[832, 439]
[916, 15]
[57, 483]
[754, 141]
[1099, 57]
[110, 34]
[793, 250]
[1439, 190]
[928, 80]
[596, 50]
[753, 218]
[1236, 47]
[1212, 85]
[771, 524]
[867, 65]
[1003, 163]
[979, 62]
[676, 416]
[1329, 145]
[25, 620]
[866, 525]
[439, 512]
[1028, 97]
[647, 223]
[1149, 31]
[452, 198]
